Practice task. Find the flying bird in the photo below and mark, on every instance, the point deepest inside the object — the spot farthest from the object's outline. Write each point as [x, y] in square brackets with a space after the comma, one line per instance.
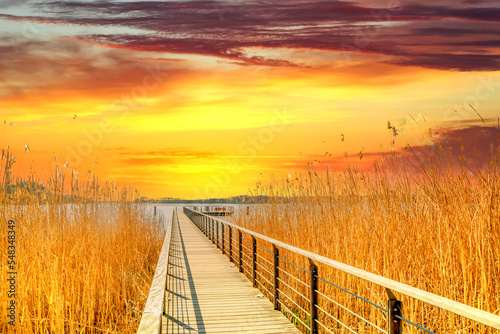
[342, 137]
[74, 116]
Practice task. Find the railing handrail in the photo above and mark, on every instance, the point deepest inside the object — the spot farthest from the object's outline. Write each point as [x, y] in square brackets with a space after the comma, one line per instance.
[155, 305]
[480, 316]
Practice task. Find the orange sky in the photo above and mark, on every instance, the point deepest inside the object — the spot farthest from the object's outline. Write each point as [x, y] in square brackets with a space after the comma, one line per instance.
[194, 112]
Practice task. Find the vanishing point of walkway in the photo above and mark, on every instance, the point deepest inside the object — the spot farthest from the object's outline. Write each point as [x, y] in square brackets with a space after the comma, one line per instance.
[207, 294]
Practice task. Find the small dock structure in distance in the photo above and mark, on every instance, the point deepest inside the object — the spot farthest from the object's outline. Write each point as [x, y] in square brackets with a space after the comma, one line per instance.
[214, 210]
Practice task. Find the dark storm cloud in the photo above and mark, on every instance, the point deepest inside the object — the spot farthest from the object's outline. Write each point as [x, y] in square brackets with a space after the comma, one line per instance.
[416, 34]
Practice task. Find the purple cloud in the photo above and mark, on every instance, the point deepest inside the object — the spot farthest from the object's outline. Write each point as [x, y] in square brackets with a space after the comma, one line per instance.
[417, 34]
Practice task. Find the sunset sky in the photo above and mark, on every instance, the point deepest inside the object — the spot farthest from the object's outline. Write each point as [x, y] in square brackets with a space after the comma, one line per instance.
[199, 99]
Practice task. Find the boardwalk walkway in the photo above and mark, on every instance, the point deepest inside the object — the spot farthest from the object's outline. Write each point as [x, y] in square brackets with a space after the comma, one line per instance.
[207, 294]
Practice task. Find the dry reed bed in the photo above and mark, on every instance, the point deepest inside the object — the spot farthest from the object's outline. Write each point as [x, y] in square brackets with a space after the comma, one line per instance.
[82, 268]
[432, 225]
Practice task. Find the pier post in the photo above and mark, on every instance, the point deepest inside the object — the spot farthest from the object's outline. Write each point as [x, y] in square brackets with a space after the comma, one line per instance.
[395, 307]
[222, 239]
[313, 300]
[276, 261]
[217, 232]
[209, 228]
[254, 261]
[240, 251]
[212, 224]
[230, 244]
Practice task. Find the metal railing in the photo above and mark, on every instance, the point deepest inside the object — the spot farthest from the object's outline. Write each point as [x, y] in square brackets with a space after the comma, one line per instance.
[301, 293]
[212, 208]
[155, 305]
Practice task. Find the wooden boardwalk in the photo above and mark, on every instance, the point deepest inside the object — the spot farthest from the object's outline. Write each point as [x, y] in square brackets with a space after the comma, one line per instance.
[207, 294]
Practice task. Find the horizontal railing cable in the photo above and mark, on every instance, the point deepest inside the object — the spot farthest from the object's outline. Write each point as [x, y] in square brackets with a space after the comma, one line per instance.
[336, 320]
[294, 302]
[290, 275]
[293, 314]
[293, 264]
[352, 294]
[416, 325]
[288, 286]
[353, 313]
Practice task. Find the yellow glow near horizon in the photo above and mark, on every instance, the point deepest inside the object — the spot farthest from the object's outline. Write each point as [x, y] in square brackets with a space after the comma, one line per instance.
[185, 135]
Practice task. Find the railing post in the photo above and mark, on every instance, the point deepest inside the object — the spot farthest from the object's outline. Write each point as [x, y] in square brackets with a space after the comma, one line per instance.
[212, 223]
[276, 263]
[230, 244]
[209, 228]
[254, 261]
[395, 307]
[240, 251]
[217, 232]
[222, 239]
[313, 296]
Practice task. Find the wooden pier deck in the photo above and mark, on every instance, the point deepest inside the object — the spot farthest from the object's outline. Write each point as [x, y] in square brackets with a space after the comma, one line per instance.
[207, 294]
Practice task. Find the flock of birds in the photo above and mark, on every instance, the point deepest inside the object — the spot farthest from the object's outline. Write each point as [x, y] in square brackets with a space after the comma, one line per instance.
[342, 139]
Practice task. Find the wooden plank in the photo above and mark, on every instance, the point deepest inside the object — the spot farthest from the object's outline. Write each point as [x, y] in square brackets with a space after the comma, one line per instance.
[466, 311]
[153, 311]
[207, 294]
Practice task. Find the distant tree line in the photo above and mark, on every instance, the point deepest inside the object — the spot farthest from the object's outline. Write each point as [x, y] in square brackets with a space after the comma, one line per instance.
[242, 199]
